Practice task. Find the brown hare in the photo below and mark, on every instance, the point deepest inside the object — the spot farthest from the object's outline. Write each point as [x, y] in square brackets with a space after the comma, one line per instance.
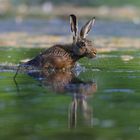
[64, 56]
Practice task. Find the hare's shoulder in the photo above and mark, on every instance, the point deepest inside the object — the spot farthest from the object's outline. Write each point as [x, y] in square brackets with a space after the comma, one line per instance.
[56, 51]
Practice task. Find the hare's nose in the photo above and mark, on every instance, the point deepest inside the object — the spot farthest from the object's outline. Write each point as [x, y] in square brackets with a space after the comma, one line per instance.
[94, 52]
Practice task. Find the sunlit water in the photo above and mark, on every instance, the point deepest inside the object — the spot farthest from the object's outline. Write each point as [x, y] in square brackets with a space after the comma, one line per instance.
[99, 100]
[54, 27]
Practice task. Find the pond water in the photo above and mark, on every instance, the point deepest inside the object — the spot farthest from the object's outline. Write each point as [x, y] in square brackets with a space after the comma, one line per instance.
[54, 27]
[99, 100]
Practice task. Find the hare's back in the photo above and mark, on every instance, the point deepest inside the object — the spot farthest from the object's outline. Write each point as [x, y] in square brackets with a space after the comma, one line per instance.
[56, 51]
[57, 57]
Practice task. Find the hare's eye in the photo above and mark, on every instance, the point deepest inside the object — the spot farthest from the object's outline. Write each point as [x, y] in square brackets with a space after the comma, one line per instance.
[82, 43]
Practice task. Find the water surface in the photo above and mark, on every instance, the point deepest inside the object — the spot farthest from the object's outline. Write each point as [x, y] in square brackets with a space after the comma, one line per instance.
[62, 27]
[99, 100]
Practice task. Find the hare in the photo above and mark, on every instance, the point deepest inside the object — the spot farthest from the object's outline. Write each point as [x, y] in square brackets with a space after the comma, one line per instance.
[64, 56]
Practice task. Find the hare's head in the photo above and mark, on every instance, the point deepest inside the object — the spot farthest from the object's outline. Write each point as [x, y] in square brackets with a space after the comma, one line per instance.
[82, 46]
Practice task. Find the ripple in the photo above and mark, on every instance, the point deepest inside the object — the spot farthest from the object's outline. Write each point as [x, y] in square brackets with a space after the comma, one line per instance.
[107, 56]
[133, 77]
[119, 90]
[126, 58]
[7, 67]
[124, 70]
[103, 123]
[107, 123]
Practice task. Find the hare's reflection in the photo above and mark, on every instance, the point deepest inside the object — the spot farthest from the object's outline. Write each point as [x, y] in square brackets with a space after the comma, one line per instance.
[67, 82]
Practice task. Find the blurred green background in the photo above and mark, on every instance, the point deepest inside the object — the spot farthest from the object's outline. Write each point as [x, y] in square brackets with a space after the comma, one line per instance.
[126, 9]
[78, 2]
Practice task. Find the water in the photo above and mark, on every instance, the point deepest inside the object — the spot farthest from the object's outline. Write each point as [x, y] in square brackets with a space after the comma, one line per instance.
[54, 27]
[99, 100]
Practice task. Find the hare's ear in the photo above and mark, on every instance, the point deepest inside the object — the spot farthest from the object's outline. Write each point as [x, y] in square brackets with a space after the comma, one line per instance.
[74, 25]
[86, 28]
